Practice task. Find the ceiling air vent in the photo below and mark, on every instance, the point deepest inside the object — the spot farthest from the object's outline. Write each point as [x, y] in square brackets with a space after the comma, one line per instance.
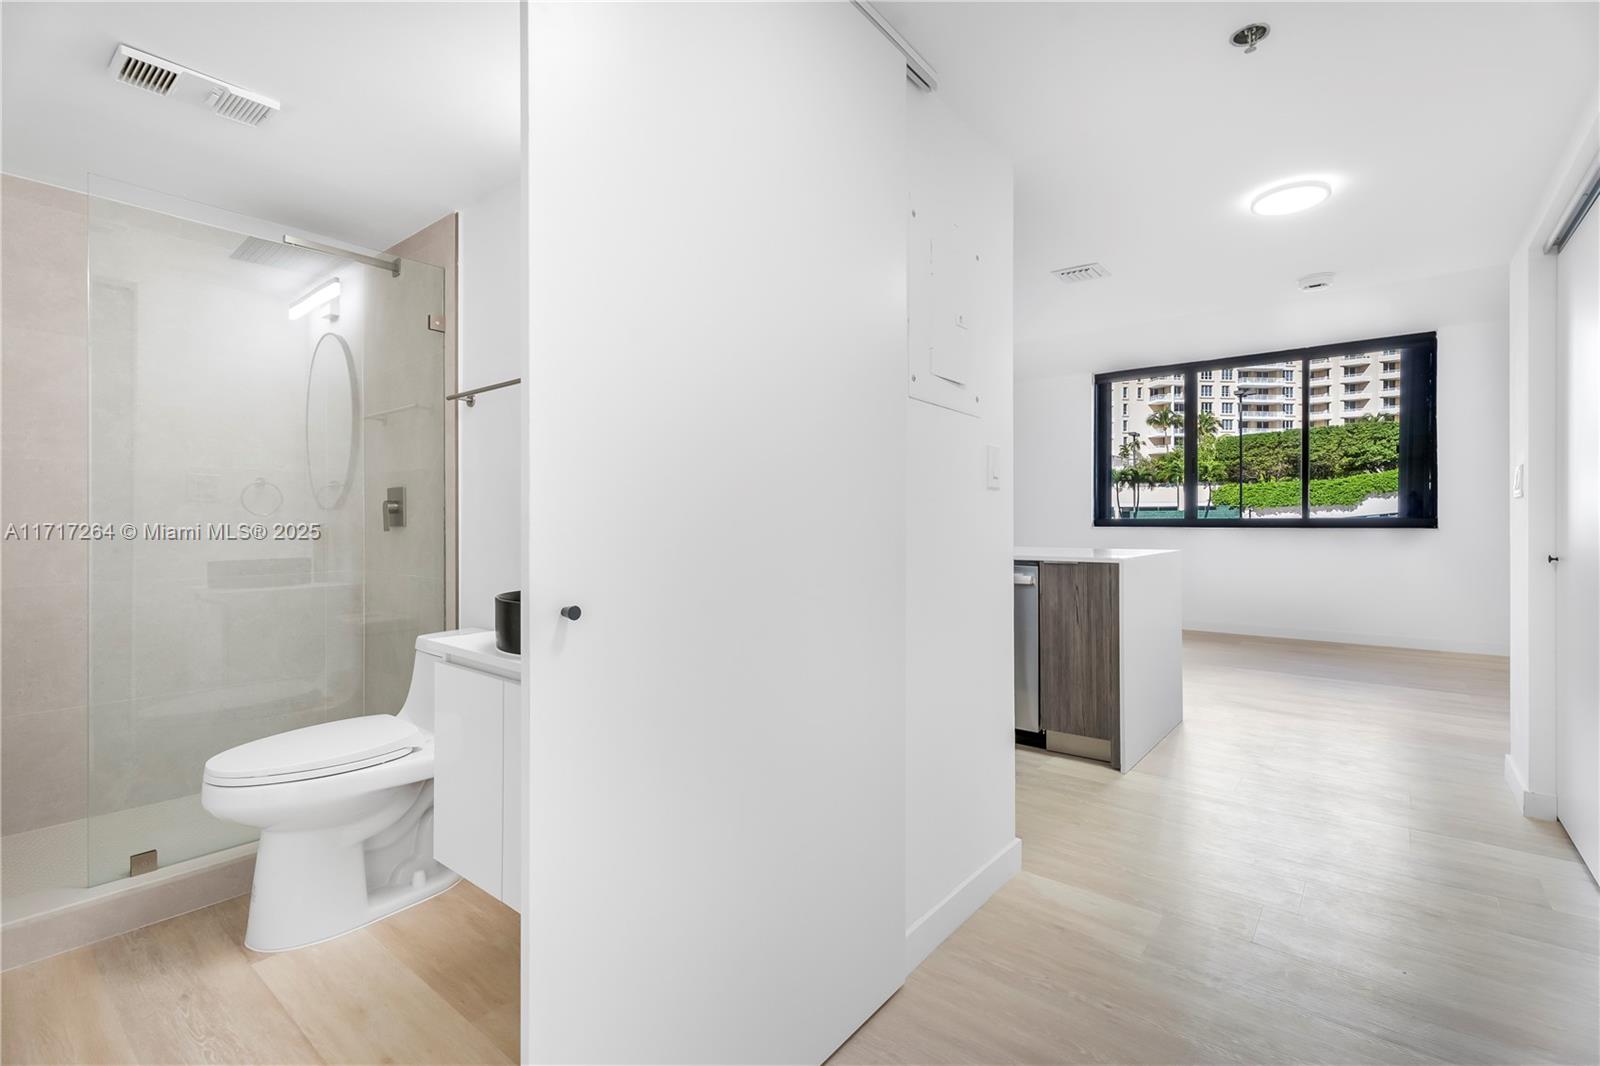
[177, 82]
[1315, 282]
[144, 71]
[240, 106]
[1081, 272]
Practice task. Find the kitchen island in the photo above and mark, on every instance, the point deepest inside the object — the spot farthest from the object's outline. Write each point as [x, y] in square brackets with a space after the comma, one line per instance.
[1099, 665]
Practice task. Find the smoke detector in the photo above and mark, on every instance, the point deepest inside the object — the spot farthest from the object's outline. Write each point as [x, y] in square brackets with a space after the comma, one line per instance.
[1247, 37]
[1316, 282]
[1081, 272]
[163, 77]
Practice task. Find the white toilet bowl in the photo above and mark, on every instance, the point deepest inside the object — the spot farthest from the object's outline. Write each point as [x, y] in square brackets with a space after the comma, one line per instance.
[345, 811]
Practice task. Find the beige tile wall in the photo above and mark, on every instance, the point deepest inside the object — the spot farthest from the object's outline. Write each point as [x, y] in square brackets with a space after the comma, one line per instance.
[44, 454]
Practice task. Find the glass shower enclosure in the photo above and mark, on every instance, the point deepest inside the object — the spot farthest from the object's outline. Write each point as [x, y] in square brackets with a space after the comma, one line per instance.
[267, 447]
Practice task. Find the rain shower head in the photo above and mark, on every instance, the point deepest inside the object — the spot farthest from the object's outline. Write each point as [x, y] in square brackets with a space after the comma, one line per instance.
[289, 257]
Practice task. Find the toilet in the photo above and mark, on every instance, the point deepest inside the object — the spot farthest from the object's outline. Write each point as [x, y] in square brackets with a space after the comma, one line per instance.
[345, 810]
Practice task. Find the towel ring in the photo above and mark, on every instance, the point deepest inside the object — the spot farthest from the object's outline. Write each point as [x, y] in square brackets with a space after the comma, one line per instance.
[261, 483]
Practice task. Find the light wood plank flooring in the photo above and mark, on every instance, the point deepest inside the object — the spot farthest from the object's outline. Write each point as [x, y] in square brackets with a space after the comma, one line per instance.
[434, 984]
[1322, 865]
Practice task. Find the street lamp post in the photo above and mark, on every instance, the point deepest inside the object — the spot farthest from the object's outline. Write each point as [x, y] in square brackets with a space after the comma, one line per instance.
[1239, 393]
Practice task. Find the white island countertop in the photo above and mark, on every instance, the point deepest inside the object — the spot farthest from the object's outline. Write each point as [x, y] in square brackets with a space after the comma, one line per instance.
[1086, 555]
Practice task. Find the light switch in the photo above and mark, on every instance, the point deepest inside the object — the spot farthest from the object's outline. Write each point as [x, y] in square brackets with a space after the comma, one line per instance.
[992, 467]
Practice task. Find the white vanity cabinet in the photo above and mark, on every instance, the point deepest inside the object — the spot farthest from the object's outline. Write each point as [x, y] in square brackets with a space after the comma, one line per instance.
[477, 745]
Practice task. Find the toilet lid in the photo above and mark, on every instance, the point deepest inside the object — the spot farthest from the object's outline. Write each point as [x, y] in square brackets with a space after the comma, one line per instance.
[327, 746]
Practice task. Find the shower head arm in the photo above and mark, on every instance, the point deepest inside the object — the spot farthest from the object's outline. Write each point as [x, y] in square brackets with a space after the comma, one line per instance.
[391, 265]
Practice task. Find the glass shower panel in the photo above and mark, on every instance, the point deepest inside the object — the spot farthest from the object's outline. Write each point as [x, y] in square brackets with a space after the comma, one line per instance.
[403, 440]
[252, 404]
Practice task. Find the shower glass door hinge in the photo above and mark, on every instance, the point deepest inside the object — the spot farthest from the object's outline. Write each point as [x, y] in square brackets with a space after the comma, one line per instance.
[142, 863]
[436, 323]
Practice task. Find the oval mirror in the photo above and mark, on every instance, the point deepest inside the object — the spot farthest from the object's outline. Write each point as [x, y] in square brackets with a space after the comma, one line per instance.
[332, 421]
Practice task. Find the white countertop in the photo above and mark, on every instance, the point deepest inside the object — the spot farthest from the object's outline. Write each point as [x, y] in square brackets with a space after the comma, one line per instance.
[1086, 555]
[471, 647]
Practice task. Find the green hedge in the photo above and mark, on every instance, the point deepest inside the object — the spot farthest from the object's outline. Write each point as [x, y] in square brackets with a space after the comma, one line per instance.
[1365, 446]
[1325, 492]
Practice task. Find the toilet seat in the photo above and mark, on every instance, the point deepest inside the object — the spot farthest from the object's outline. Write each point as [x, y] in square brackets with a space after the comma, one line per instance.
[315, 751]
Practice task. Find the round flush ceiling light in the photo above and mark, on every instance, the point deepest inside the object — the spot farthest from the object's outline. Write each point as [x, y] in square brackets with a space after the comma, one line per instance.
[1290, 198]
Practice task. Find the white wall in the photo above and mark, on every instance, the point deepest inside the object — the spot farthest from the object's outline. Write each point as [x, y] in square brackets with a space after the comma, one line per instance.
[1443, 588]
[493, 299]
[1530, 391]
[960, 838]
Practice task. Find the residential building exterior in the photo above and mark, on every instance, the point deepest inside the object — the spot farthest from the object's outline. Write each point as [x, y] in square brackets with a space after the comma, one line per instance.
[1257, 399]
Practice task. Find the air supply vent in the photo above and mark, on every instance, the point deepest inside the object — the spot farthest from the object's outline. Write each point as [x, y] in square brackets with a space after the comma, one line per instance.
[144, 71]
[245, 108]
[177, 82]
[1315, 282]
[1081, 272]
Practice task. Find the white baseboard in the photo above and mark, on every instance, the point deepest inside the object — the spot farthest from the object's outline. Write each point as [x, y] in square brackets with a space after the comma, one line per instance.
[1537, 805]
[1334, 636]
[929, 931]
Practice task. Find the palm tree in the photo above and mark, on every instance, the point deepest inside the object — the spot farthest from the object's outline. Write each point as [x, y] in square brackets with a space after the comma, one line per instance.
[1129, 457]
[1168, 421]
[1207, 466]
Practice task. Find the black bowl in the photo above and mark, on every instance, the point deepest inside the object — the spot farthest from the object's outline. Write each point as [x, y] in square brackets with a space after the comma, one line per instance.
[508, 622]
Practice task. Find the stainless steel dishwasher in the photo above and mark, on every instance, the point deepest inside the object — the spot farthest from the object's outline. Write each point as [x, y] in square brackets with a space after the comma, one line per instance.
[1025, 620]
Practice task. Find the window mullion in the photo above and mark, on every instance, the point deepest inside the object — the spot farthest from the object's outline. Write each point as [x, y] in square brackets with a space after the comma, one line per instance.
[1305, 437]
[1191, 463]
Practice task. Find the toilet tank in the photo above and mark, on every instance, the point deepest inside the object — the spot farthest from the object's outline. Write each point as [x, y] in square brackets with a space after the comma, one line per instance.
[418, 709]
[472, 649]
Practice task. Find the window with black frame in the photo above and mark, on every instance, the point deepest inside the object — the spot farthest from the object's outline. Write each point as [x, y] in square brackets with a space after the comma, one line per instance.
[1337, 435]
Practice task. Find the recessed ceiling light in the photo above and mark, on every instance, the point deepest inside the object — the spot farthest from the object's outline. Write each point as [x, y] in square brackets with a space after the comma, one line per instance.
[1295, 196]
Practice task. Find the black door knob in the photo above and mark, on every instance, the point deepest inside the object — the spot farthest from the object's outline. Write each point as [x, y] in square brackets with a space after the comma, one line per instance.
[573, 613]
[1552, 558]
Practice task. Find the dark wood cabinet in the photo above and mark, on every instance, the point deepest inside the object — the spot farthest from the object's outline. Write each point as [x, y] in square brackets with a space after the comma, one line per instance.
[1079, 657]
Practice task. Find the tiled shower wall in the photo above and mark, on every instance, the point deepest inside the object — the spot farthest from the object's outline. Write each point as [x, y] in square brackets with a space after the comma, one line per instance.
[44, 456]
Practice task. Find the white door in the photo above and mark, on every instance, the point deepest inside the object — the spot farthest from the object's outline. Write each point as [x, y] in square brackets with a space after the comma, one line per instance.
[1578, 539]
[716, 399]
